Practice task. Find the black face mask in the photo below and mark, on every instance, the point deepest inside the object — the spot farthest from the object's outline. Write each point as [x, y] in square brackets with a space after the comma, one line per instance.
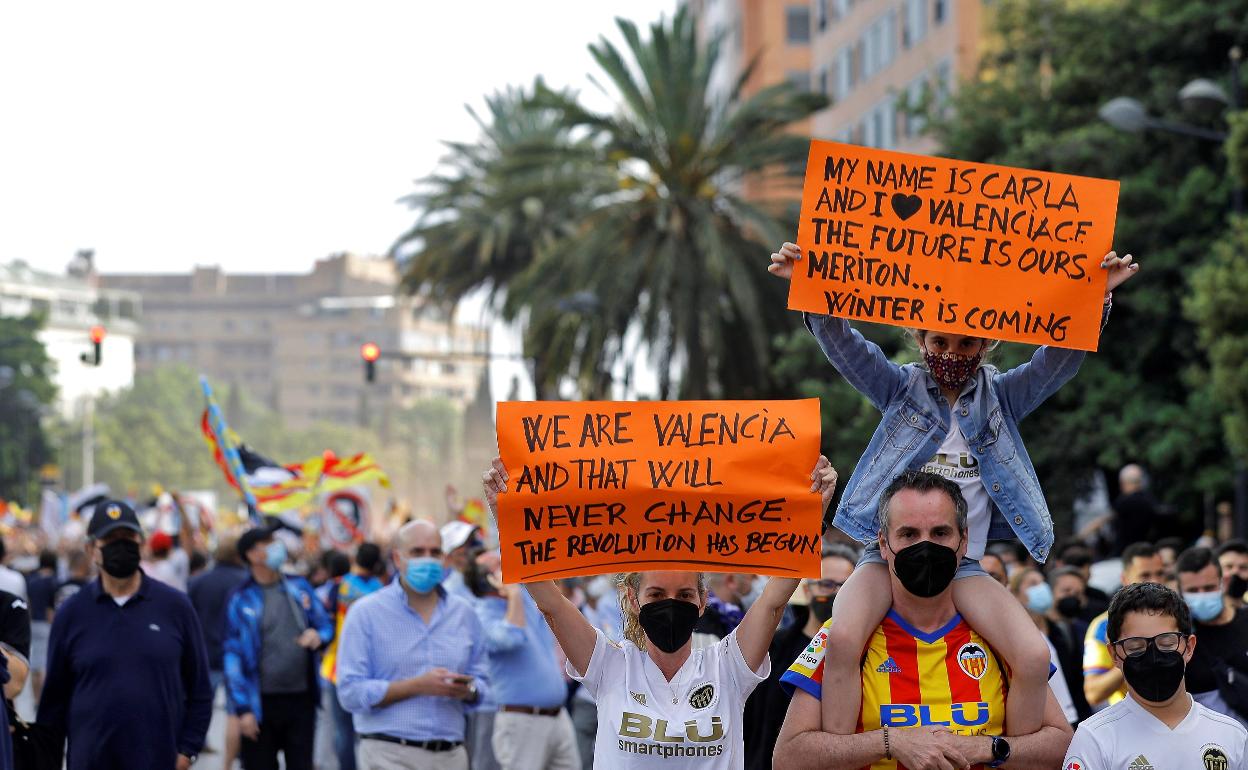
[668, 623]
[1069, 607]
[121, 558]
[821, 607]
[925, 569]
[1237, 587]
[1155, 675]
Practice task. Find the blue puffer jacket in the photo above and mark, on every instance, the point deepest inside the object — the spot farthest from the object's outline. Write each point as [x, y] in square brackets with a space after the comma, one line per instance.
[242, 637]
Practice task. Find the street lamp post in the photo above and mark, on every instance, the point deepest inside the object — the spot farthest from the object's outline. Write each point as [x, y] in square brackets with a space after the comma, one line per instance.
[1202, 97]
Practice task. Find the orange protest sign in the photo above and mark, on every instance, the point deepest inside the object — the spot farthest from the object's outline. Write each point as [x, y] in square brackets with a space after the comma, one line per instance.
[618, 486]
[953, 246]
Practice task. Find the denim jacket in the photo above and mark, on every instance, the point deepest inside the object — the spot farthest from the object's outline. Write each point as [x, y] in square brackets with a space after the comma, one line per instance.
[916, 422]
[241, 639]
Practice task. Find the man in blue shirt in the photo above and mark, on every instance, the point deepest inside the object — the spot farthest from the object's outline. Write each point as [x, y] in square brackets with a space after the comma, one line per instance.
[412, 662]
[127, 670]
[531, 729]
[273, 626]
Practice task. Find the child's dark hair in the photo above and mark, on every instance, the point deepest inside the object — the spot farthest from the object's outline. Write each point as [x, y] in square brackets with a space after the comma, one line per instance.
[1151, 599]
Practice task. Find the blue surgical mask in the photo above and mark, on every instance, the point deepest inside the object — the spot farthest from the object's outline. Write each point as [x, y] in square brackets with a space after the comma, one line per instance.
[275, 555]
[424, 574]
[1205, 607]
[1040, 598]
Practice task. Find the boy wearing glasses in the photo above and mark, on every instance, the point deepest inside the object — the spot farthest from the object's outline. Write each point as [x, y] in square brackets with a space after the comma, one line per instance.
[1157, 726]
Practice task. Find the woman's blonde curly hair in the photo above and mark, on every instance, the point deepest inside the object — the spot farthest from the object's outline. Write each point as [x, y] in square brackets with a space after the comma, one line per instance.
[632, 626]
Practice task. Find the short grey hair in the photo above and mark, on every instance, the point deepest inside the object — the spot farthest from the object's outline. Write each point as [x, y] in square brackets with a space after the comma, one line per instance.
[922, 481]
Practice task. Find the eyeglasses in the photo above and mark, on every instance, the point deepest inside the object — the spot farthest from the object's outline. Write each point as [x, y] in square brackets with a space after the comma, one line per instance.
[1134, 646]
[827, 584]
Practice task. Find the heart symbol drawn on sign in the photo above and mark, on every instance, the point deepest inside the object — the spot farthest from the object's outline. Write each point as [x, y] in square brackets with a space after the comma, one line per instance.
[905, 206]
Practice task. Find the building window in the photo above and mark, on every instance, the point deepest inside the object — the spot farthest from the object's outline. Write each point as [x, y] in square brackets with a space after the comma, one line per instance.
[940, 11]
[799, 79]
[839, 9]
[914, 25]
[797, 24]
[821, 14]
[886, 43]
[843, 83]
[824, 77]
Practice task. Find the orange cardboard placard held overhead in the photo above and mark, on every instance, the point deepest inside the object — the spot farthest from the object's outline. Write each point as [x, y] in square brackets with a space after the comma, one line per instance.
[953, 246]
[617, 486]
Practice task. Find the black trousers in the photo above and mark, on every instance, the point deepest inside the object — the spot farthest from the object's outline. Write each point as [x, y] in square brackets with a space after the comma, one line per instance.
[288, 726]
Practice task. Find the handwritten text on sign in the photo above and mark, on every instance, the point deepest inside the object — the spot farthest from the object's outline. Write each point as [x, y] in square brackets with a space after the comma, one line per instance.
[953, 246]
[617, 486]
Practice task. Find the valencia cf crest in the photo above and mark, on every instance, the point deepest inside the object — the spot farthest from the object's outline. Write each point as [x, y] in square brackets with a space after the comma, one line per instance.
[1214, 757]
[113, 512]
[973, 659]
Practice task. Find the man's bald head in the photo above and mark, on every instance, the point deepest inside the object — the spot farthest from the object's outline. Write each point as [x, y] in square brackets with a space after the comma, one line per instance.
[415, 540]
[1131, 478]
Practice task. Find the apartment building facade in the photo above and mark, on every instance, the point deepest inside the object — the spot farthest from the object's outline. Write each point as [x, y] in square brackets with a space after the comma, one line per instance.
[71, 304]
[871, 58]
[293, 340]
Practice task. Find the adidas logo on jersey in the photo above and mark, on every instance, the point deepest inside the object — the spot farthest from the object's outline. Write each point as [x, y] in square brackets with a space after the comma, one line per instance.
[888, 667]
[1140, 763]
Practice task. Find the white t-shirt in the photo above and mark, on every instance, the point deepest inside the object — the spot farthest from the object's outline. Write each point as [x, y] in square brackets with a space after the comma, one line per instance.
[12, 581]
[174, 570]
[693, 721]
[1126, 737]
[955, 461]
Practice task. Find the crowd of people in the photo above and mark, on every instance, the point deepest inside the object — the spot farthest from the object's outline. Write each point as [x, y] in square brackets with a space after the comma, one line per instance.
[948, 627]
[414, 653]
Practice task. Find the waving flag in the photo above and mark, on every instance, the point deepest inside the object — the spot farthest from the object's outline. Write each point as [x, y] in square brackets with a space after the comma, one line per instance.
[224, 444]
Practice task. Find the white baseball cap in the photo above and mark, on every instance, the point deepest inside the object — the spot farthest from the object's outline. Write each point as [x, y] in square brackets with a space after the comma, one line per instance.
[455, 534]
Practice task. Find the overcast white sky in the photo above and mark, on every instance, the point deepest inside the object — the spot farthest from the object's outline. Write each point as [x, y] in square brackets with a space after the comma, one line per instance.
[259, 136]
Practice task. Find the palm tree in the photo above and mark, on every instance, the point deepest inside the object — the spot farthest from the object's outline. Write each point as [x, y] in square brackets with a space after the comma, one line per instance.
[598, 229]
[675, 249]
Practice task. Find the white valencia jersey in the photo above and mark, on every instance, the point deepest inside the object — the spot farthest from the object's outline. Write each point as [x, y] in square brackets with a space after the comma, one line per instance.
[693, 721]
[1126, 737]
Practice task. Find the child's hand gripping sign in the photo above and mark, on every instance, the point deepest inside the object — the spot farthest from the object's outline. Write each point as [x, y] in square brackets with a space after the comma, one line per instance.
[953, 246]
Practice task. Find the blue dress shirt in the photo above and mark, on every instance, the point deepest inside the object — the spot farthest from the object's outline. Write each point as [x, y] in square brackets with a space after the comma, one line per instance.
[384, 640]
[523, 669]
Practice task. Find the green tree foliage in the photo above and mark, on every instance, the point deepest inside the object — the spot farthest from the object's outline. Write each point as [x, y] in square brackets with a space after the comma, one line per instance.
[1048, 67]
[655, 239]
[26, 389]
[1217, 306]
[149, 435]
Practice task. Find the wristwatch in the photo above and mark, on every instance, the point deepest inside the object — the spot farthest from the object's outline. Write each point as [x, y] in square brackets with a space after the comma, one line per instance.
[1000, 751]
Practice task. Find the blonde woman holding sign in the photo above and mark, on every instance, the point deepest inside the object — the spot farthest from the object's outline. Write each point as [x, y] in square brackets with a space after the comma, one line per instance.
[658, 698]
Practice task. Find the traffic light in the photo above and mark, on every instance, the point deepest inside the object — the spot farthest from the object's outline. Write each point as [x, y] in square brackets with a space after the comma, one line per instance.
[97, 334]
[370, 353]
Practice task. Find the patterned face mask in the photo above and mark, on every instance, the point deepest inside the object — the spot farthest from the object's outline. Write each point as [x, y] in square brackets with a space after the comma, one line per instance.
[951, 370]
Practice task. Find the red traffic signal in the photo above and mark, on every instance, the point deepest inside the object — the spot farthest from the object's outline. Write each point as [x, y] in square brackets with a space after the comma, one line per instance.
[370, 353]
[97, 335]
